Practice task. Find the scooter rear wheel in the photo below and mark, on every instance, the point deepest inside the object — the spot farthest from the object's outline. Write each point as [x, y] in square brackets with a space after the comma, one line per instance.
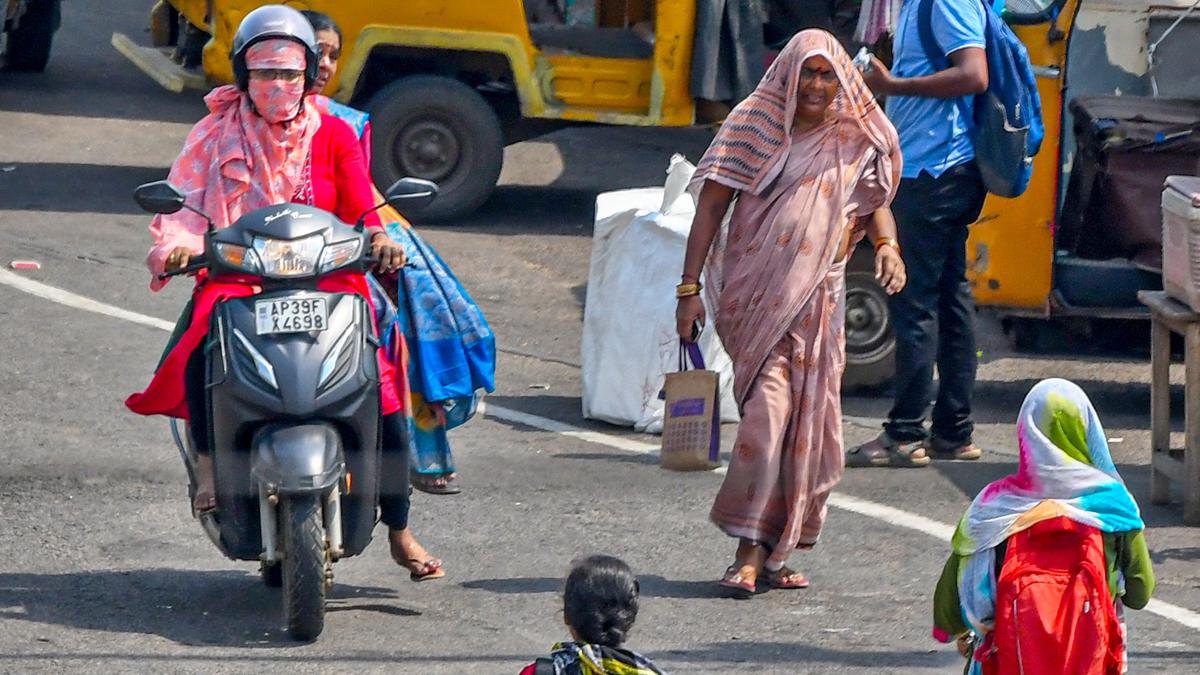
[303, 567]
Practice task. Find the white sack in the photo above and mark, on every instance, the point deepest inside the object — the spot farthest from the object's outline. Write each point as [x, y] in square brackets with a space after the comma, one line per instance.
[629, 338]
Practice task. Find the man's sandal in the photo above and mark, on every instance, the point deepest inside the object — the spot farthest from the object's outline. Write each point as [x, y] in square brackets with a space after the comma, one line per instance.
[885, 452]
[965, 452]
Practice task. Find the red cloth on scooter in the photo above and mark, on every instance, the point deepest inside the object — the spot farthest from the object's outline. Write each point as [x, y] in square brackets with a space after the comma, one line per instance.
[165, 394]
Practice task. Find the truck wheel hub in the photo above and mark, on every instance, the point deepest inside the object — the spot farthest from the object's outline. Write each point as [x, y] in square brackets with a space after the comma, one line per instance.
[866, 320]
[428, 149]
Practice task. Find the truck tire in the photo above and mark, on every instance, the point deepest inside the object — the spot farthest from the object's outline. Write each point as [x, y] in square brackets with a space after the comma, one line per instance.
[303, 567]
[870, 339]
[442, 130]
[28, 48]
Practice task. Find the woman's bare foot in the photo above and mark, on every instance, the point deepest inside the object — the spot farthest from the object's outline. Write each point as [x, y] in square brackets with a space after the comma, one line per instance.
[206, 488]
[409, 554]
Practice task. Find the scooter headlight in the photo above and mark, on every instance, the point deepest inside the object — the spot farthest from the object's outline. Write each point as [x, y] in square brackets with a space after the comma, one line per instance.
[239, 256]
[289, 257]
[338, 254]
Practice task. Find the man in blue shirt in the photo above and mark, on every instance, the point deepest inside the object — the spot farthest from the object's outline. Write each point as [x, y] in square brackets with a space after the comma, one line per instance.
[941, 194]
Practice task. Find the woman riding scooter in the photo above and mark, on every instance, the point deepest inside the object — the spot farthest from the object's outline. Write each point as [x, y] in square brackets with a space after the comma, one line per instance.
[263, 143]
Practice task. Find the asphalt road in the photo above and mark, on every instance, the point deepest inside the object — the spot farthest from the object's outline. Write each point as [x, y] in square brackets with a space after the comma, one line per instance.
[104, 570]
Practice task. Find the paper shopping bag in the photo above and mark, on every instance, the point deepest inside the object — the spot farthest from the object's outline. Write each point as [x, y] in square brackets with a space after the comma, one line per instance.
[691, 437]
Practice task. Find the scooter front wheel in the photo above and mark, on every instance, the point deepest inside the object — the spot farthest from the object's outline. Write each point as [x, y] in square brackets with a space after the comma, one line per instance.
[304, 562]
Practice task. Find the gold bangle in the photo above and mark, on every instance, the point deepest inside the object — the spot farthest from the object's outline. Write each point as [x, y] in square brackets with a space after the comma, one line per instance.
[887, 241]
[687, 290]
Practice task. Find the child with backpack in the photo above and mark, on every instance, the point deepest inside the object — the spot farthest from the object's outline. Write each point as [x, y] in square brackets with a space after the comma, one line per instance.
[600, 604]
[1044, 559]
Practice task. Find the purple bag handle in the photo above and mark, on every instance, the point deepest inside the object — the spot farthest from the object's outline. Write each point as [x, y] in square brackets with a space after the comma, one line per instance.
[690, 351]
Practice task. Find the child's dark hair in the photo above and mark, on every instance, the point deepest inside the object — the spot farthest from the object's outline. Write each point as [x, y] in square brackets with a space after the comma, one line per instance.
[601, 600]
[321, 21]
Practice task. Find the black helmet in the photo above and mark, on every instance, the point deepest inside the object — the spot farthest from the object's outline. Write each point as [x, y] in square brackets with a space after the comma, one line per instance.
[274, 21]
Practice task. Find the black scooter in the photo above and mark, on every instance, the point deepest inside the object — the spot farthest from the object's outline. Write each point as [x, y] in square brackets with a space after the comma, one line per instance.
[292, 394]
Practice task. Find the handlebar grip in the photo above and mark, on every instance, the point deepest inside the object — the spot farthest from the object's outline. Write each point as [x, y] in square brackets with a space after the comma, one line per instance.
[196, 264]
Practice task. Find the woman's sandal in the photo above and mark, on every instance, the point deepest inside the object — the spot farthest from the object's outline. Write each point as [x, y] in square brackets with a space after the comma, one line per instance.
[786, 579]
[436, 485]
[736, 585]
[430, 569]
[204, 503]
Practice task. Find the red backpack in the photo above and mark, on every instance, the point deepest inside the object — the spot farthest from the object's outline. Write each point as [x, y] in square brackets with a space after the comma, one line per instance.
[1054, 614]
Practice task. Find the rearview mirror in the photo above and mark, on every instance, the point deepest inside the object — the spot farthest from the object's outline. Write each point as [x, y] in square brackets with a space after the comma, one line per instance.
[411, 193]
[159, 197]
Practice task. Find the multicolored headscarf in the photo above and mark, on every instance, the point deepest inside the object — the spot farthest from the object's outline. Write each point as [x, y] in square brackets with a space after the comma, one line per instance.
[573, 658]
[750, 148]
[1065, 470]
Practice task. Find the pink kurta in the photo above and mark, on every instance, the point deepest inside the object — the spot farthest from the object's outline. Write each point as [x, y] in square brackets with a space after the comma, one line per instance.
[780, 311]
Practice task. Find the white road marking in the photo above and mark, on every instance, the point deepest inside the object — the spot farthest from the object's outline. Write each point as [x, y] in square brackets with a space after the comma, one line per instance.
[893, 515]
[562, 429]
[883, 512]
[69, 299]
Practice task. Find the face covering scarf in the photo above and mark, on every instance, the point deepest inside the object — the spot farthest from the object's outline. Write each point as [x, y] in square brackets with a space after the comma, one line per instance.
[276, 100]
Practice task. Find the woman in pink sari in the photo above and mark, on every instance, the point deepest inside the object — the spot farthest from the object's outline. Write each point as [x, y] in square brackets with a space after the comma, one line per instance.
[809, 161]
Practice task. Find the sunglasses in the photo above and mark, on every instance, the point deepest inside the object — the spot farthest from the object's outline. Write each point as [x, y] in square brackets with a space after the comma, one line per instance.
[264, 74]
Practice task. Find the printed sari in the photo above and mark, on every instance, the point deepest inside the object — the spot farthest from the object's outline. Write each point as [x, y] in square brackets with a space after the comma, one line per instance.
[777, 288]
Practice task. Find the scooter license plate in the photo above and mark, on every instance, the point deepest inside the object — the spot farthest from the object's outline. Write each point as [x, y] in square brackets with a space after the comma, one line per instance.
[292, 315]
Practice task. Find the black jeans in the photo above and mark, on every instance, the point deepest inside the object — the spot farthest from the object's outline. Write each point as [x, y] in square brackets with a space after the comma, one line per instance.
[394, 488]
[934, 316]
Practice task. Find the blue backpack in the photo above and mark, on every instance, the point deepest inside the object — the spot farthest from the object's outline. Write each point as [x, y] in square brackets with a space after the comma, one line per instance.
[1006, 121]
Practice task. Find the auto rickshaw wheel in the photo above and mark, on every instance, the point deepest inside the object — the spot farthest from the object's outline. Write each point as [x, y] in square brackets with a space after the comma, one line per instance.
[442, 130]
[870, 338]
[28, 45]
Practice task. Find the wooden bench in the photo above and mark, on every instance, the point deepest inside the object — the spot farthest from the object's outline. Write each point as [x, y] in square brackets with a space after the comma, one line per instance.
[1167, 316]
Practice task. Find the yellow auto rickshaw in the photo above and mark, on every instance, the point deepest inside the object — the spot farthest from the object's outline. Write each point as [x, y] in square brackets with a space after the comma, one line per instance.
[449, 83]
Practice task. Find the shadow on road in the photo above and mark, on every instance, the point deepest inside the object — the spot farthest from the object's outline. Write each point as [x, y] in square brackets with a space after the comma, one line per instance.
[73, 188]
[741, 652]
[87, 78]
[998, 402]
[232, 609]
[594, 159]
[652, 586]
[528, 209]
